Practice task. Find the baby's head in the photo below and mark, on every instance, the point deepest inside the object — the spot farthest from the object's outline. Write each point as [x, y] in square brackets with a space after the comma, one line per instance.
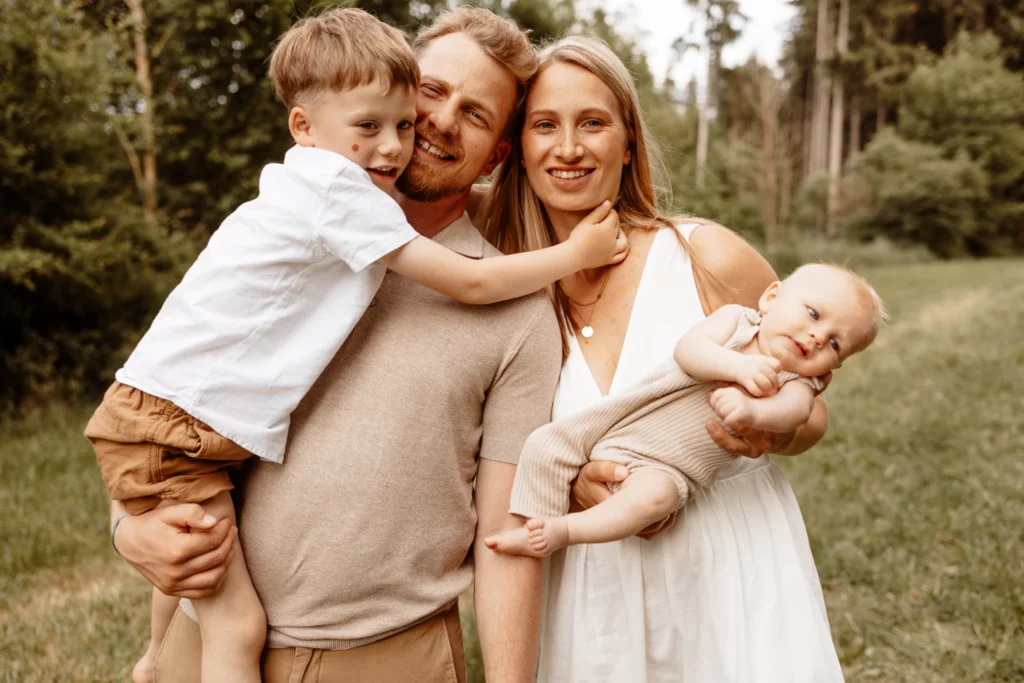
[818, 317]
[349, 82]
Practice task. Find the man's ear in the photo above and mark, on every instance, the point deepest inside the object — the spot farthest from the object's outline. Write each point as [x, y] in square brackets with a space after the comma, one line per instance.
[300, 127]
[501, 151]
[770, 294]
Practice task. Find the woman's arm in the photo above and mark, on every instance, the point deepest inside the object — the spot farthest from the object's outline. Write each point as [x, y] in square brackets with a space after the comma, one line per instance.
[595, 242]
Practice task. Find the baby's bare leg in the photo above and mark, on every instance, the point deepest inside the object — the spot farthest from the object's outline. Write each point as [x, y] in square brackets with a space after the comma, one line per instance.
[645, 497]
[231, 621]
[163, 607]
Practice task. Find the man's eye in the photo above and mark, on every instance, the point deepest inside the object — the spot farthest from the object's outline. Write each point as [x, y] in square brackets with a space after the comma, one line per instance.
[368, 125]
[476, 115]
[834, 344]
[430, 90]
[813, 313]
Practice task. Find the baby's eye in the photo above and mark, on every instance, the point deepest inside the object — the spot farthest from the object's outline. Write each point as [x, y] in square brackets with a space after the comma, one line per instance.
[834, 344]
[813, 313]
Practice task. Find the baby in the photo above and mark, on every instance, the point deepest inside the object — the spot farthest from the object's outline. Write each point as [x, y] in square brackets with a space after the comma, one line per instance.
[277, 291]
[807, 326]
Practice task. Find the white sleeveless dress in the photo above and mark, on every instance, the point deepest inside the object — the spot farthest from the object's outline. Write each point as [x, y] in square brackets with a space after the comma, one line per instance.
[729, 593]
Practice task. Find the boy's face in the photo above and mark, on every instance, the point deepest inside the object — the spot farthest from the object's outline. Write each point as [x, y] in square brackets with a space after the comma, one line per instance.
[370, 125]
[813, 321]
[466, 97]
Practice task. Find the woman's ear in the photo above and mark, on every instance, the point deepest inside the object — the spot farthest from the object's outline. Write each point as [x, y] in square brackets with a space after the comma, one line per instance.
[769, 296]
[627, 159]
[300, 127]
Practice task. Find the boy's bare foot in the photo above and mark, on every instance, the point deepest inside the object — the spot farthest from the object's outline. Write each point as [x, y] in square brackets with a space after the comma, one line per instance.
[536, 538]
[143, 671]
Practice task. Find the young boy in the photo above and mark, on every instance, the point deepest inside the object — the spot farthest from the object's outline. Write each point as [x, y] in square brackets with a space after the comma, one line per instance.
[275, 294]
[807, 326]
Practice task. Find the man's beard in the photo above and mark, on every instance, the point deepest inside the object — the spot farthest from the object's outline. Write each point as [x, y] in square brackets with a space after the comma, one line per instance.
[422, 183]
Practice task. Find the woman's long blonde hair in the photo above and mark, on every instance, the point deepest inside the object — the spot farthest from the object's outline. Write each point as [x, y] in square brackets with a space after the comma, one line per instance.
[514, 219]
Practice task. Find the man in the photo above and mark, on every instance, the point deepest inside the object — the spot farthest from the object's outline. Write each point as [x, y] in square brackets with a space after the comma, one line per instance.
[360, 544]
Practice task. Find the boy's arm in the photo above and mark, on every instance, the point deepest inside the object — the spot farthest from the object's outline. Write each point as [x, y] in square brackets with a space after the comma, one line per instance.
[485, 281]
[782, 412]
[702, 355]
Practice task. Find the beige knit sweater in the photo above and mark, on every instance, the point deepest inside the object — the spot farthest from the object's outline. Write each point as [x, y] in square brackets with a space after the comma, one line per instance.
[657, 424]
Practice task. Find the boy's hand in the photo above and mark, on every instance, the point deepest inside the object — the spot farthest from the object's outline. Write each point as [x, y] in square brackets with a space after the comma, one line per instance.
[758, 374]
[598, 239]
[733, 406]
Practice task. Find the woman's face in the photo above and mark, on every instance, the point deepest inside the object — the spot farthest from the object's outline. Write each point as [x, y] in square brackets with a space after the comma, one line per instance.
[574, 139]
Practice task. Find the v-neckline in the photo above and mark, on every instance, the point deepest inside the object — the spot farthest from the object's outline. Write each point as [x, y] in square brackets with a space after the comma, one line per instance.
[629, 330]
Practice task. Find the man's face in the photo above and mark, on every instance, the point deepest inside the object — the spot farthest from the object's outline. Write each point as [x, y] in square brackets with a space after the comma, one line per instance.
[464, 102]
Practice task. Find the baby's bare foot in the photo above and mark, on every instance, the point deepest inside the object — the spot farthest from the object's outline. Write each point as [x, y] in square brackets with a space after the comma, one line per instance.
[511, 542]
[547, 535]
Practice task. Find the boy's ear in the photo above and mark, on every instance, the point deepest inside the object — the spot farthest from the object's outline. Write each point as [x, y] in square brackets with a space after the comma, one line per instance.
[770, 294]
[501, 151]
[300, 127]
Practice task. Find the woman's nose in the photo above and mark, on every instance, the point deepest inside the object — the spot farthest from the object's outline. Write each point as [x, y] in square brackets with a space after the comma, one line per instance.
[569, 147]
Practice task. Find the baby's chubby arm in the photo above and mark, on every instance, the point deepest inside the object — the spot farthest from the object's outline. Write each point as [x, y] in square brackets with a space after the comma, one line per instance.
[783, 412]
[702, 355]
[596, 241]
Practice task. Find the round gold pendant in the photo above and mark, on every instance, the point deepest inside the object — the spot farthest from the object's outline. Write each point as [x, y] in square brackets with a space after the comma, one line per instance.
[587, 332]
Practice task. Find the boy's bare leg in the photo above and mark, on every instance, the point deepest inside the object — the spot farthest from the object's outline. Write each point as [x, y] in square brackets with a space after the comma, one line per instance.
[162, 610]
[232, 622]
[645, 497]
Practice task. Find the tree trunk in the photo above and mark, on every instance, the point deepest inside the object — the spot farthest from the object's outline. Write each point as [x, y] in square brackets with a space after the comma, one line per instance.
[148, 185]
[879, 118]
[855, 125]
[769, 99]
[835, 153]
[822, 90]
[704, 115]
[808, 123]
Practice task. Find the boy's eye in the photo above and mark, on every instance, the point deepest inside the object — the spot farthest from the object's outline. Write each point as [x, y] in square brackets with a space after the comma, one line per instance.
[405, 125]
[834, 344]
[368, 125]
[813, 313]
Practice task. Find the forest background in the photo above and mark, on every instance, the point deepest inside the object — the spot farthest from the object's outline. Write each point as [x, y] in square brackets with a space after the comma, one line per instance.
[130, 128]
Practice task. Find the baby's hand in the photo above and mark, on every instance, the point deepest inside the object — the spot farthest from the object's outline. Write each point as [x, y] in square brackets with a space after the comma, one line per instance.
[758, 374]
[733, 406]
[598, 239]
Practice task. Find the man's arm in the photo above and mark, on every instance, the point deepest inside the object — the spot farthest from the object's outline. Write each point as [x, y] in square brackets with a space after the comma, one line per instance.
[596, 241]
[507, 589]
[180, 549]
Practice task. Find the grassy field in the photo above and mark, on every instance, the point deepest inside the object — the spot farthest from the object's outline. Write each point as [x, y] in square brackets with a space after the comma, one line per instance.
[914, 503]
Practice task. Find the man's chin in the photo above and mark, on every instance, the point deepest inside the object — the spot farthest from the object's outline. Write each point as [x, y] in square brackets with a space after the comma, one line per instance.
[422, 188]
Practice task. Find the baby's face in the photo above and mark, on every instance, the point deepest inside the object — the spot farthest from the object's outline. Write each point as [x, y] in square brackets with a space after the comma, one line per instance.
[370, 125]
[813, 321]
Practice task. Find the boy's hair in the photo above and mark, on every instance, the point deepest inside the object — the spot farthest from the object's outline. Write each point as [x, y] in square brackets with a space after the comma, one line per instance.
[338, 50]
[502, 40]
[869, 300]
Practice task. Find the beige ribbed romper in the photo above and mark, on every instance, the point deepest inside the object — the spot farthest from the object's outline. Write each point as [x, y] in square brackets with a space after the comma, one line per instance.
[659, 424]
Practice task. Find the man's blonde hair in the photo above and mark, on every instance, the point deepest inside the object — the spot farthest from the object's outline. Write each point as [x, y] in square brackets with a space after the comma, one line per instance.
[869, 300]
[502, 40]
[338, 50]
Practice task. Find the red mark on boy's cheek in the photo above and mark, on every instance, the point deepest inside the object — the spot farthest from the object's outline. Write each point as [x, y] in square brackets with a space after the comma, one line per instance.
[355, 148]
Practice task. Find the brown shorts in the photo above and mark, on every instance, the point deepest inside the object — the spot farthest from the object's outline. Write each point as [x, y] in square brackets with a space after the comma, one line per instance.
[150, 450]
[430, 652]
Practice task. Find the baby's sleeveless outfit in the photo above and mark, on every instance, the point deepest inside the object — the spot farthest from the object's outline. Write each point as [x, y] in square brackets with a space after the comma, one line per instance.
[659, 424]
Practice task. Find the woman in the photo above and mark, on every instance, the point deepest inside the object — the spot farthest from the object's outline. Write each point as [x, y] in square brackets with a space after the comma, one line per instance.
[729, 592]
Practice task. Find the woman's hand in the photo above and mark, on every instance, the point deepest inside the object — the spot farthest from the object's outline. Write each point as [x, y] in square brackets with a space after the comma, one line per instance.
[180, 549]
[591, 488]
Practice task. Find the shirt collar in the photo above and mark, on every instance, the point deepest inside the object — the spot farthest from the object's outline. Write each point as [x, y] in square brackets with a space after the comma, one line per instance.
[462, 237]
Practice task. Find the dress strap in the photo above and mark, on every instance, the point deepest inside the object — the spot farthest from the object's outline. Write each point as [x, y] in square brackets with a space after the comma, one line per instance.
[686, 229]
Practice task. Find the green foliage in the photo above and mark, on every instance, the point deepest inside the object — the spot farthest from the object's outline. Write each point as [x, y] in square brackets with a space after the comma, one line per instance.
[81, 270]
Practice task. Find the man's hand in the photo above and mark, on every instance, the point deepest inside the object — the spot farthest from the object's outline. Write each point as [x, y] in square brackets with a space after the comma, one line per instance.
[180, 549]
[591, 488]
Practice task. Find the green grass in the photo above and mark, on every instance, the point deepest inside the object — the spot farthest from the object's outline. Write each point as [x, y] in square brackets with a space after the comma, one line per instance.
[914, 503]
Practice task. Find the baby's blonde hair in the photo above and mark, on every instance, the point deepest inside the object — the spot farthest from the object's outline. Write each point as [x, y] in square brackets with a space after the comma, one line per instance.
[869, 299]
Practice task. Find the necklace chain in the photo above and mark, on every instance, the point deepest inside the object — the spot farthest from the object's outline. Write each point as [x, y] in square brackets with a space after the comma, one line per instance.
[587, 330]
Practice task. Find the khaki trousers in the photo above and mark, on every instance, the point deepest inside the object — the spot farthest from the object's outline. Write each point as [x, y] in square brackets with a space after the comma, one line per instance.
[430, 652]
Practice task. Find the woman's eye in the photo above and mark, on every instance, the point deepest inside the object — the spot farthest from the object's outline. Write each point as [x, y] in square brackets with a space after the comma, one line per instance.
[544, 125]
[834, 344]
[813, 313]
[592, 123]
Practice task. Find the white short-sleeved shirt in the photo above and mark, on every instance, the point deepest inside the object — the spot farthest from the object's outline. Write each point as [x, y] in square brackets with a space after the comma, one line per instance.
[271, 299]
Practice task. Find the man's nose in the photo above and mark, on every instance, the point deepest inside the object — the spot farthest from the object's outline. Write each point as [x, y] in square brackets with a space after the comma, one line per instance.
[444, 118]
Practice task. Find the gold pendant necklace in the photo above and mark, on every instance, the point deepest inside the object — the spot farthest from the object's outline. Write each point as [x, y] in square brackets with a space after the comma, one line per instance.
[587, 331]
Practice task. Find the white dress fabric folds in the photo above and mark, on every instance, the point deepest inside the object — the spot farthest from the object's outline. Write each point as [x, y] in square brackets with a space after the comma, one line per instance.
[729, 593]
